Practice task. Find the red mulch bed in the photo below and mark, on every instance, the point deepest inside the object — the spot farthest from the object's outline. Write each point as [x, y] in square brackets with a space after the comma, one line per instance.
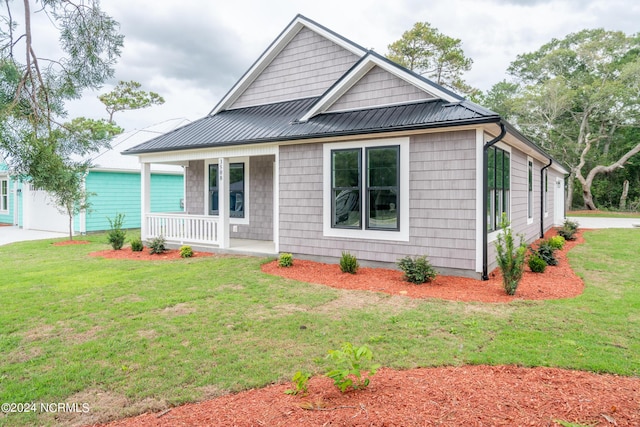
[144, 255]
[556, 282]
[446, 396]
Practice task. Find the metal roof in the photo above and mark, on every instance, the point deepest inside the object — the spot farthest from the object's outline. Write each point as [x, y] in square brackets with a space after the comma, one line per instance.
[278, 122]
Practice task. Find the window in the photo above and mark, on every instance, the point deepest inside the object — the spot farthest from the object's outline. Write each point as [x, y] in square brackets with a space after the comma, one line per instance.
[365, 189]
[236, 190]
[4, 195]
[499, 184]
[530, 190]
[381, 178]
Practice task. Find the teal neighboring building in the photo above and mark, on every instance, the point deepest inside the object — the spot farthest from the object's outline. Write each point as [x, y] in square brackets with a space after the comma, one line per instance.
[7, 195]
[113, 184]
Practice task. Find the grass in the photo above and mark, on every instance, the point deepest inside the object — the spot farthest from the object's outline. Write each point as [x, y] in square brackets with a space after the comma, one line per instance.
[603, 214]
[147, 334]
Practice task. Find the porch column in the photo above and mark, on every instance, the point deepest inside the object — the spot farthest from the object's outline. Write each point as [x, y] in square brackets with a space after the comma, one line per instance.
[223, 202]
[145, 196]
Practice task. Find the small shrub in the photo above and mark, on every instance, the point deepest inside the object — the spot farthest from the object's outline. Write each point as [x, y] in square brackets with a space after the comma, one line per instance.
[186, 251]
[285, 260]
[349, 364]
[557, 242]
[349, 263]
[509, 257]
[546, 252]
[568, 230]
[116, 235]
[136, 245]
[156, 246]
[300, 380]
[417, 270]
[537, 264]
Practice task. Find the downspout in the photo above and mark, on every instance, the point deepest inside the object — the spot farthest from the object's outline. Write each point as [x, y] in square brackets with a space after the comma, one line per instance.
[542, 201]
[485, 190]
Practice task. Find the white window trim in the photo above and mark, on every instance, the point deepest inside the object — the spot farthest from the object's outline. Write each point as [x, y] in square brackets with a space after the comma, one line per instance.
[531, 200]
[247, 174]
[4, 178]
[493, 236]
[401, 235]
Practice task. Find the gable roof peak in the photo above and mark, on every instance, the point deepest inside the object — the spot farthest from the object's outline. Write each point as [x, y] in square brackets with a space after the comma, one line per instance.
[291, 30]
[362, 67]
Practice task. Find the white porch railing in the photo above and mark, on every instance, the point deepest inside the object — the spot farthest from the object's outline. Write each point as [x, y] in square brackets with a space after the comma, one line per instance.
[183, 228]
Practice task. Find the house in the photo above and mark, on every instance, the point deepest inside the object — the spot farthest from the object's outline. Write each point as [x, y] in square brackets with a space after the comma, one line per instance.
[114, 184]
[323, 146]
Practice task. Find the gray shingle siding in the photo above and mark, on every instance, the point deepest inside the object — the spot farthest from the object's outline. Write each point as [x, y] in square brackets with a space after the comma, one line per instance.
[441, 224]
[194, 177]
[306, 67]
[260, 204]
[379, 87]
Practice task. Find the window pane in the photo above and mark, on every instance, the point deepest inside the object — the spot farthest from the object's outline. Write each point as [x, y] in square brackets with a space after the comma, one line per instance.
[213, 176]
[213, 190]
[236, 190]
[346, 168]
[491, 167]
[383, 167]
[507, 171]
[383, 209]
[347, 208]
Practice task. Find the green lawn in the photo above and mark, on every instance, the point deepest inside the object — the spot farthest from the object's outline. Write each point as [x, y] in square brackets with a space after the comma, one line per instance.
[147, 334]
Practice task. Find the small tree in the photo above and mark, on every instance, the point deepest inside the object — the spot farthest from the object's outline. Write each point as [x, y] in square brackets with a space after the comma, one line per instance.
[510, 258]
[128, 96]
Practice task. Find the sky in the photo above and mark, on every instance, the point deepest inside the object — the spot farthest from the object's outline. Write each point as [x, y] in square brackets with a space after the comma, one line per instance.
[192, 51]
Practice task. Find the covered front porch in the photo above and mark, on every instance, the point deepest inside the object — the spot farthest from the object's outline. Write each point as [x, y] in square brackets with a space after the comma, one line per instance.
[201, 231]
[230, 202]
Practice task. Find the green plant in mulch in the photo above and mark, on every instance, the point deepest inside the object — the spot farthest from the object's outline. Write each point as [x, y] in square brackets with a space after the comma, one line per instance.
[116, 235]
[569, 230]
[285, 260]
[510, 257]
[536, 264]
[351, 367]
[186, 251]
[349, 263]
[136, 245]
[417, 270]
[157, 245]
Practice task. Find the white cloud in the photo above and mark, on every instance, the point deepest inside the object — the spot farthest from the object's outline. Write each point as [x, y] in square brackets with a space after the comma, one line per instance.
[192, 52]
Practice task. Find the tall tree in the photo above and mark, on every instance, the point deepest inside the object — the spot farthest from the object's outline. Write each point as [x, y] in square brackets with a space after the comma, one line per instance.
[426, 51]
[34, 89]
[574, 96]
[128, 96]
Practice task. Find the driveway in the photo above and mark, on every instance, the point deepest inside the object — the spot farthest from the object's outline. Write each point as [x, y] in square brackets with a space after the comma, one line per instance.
[16, 234]
[592, 222]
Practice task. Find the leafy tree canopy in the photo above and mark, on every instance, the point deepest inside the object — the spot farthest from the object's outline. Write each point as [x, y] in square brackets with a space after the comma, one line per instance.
[575, 96]
[128, 96]
[426, 51]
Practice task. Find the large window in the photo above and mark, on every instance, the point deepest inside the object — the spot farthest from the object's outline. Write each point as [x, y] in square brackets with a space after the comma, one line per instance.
[4, 195]
[378, 198]
[236, 190]
[498, 177]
